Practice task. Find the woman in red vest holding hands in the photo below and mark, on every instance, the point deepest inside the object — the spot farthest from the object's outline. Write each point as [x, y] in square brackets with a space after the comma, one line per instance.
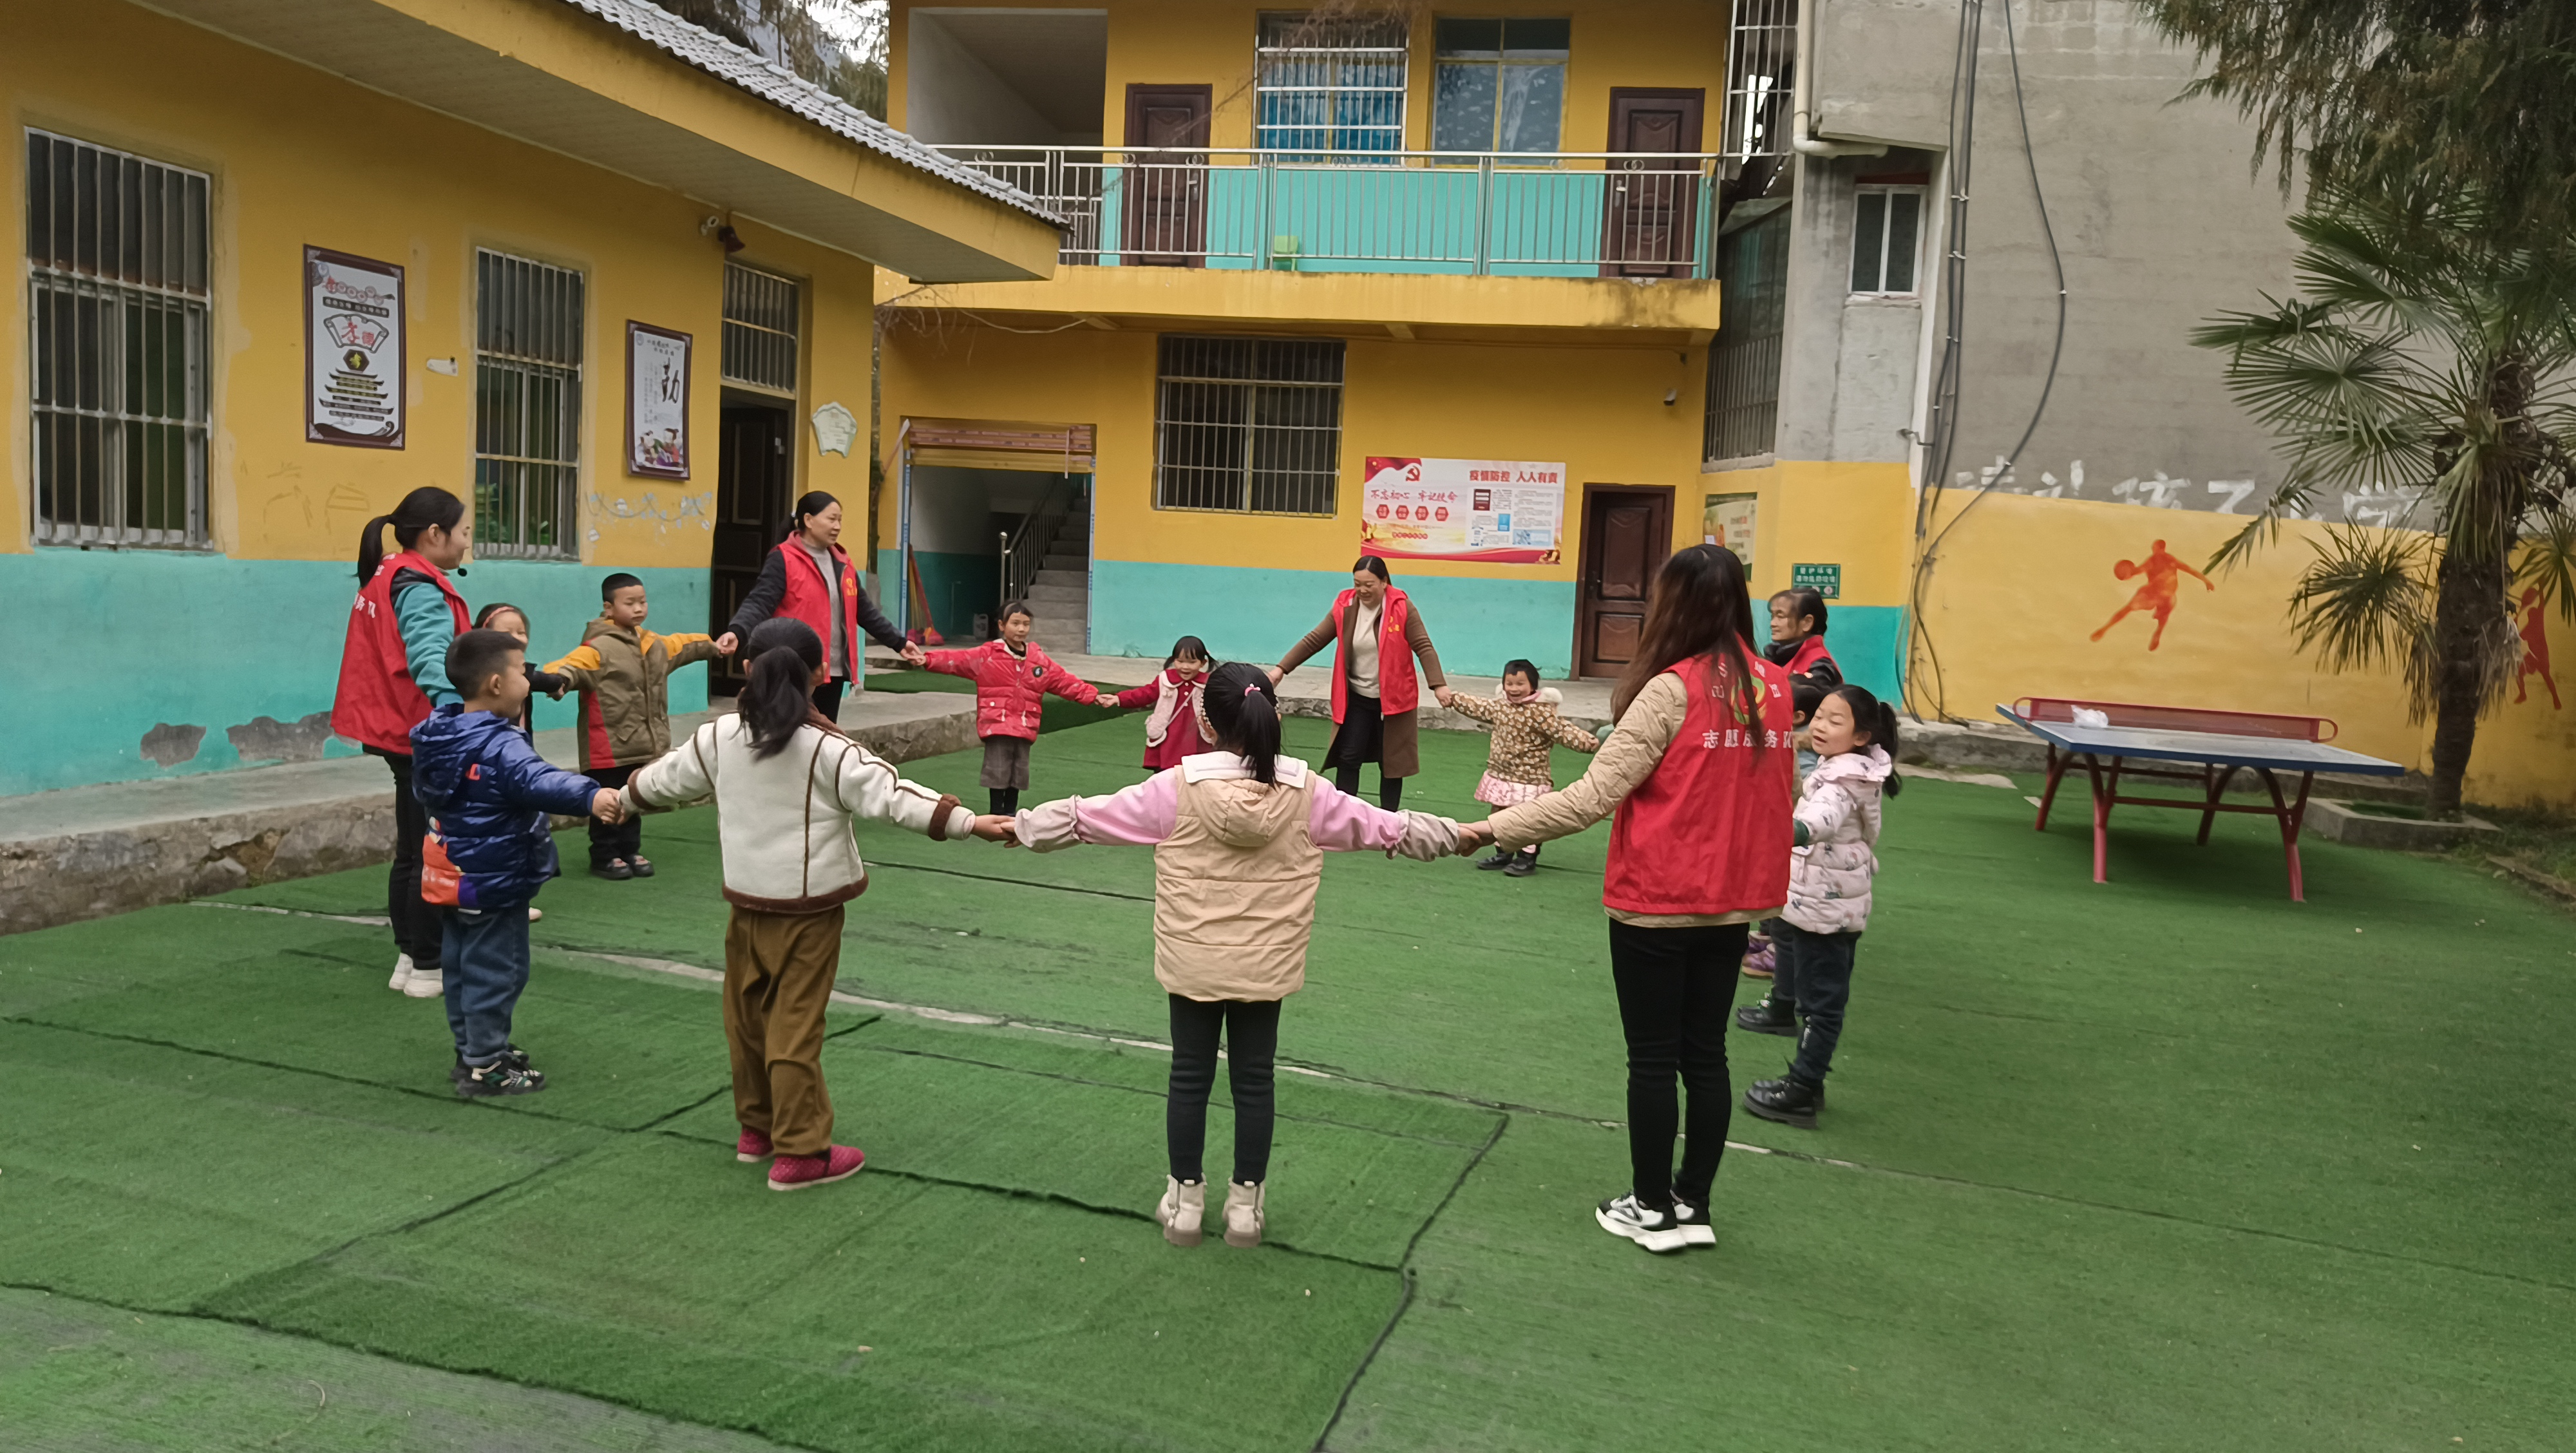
[1375, 633]
[393, 672]
[809, 578]
[1698, 775]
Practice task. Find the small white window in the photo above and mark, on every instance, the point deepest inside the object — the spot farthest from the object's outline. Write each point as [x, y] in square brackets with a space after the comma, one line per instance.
[1887, 235]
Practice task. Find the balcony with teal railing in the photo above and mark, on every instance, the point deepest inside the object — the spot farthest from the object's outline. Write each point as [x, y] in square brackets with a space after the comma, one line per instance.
[1500, 214]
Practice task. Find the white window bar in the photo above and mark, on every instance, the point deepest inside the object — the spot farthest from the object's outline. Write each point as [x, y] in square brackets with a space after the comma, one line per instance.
[760, 318]
[528, 321]
[1762, 54]
[118, 307]
[1331, 87]
[1252, 425]
[1887, 230]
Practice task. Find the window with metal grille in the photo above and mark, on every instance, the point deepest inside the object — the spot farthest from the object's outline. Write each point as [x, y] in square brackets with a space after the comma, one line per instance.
[117, 313]
[1500, 84]
[1887, 230]
[1252, 424]
[1762, 55]
[527, 406]
[1744, 358]
[1331, 87]
[759, 330]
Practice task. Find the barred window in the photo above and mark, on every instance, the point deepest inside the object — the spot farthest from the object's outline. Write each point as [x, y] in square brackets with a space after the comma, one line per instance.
[1744, 359]
[117, 316]
[1331, 87]
[759, 330]
[1251, 424]
[527, 406]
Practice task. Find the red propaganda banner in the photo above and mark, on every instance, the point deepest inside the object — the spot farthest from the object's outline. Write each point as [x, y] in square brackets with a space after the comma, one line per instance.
[1498, 511]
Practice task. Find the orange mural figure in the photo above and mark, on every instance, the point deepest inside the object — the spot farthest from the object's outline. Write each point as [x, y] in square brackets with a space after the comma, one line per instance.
[2164, 576]
[2535, 649]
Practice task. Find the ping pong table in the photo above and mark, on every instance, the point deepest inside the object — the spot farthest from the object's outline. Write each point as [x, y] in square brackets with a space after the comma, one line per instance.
[2219, 743]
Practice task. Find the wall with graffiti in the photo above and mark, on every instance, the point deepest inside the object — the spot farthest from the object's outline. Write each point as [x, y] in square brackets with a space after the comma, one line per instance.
[2072, 597]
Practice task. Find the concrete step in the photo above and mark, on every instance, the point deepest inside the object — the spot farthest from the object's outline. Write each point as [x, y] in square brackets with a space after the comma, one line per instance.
[1062, 579]
[1076, 562]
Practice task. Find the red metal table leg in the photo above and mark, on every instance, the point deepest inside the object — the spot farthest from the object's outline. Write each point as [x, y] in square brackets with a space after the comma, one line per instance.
[2057, 764]
[2102, 794]
[2292, 814]
[2217, 782]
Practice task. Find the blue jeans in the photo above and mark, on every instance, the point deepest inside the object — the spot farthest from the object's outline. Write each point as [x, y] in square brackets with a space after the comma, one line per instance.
[485, 958]
[1813, 971]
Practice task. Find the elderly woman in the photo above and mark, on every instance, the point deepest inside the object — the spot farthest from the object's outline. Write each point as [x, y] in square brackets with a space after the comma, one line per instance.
[1375, 633]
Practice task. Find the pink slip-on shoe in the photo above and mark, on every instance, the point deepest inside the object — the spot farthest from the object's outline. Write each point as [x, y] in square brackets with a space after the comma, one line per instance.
[796, 1172]
[751, 1146]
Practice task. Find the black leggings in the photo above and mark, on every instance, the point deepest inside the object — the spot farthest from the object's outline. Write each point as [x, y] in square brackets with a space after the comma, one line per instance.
[1361, 739]
[827, 698]
[418, 930]
[1251, 1049]
[1676, 992]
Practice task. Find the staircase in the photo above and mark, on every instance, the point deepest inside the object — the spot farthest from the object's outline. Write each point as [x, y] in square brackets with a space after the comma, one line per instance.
[1060, 593]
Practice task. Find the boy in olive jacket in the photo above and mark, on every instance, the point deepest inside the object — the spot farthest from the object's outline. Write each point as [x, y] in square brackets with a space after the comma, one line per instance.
[623, 673]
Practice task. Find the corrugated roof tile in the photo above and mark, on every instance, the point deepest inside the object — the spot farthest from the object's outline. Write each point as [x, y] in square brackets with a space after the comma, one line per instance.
[788, 91]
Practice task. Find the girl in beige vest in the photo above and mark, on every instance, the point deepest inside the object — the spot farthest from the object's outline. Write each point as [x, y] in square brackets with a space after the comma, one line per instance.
[1239, 836]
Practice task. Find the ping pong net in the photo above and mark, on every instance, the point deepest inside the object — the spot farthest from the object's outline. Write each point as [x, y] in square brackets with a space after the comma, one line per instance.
[2183, 718]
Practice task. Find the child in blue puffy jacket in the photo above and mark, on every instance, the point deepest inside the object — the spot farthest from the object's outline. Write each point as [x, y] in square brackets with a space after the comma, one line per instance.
[488, 793]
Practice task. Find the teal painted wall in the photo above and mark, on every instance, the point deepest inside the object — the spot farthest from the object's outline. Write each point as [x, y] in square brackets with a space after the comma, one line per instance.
[1868, 642]
[1139, 609]
[108, 645]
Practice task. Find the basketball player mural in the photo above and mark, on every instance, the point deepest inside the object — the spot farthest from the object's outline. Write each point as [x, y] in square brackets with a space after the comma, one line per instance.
[2535, 649]
[2164, 577]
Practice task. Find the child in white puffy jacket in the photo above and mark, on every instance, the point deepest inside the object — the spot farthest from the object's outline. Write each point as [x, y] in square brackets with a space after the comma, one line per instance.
[1854, 736]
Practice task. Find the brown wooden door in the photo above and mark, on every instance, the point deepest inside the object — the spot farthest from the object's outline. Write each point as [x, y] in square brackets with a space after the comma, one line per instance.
[754, 471]
[1164, 203]
[1627, 532]
[1650, 215]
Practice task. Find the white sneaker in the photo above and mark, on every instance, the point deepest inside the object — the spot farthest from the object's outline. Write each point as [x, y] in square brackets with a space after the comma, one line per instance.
[1184, 1206]
[426, 984]
[1657, 1231]
[402, 973]
[1243, 1213]
[1694, 1223]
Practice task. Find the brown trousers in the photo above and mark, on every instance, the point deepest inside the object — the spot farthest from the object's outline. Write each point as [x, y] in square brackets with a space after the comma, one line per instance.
[778, 979]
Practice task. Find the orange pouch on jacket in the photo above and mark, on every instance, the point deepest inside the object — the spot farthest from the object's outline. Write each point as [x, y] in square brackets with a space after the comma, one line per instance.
[438, 876]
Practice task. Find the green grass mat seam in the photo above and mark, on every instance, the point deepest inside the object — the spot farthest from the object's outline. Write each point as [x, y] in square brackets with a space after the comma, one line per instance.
[1404, 1299]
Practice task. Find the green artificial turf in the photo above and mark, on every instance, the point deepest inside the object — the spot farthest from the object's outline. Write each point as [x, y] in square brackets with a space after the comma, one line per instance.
[99, 1377]
[2169, 1162]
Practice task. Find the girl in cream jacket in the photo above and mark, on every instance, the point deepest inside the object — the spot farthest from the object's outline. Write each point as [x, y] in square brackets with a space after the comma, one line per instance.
[1239, 836]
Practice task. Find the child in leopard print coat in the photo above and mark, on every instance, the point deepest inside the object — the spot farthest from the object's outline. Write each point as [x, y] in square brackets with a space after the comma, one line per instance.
[1524, 723]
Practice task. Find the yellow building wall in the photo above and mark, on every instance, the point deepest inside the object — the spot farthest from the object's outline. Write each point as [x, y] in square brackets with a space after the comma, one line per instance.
[1189, 42]
[2020, 588]
[299, 158]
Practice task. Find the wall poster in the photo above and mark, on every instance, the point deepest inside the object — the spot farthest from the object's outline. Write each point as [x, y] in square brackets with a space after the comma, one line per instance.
[1498, 511]
[657, 401]
[1727, 522]
[353, 350]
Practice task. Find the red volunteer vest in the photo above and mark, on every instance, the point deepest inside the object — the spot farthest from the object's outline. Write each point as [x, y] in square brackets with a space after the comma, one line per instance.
[1397, 691]
[1809, 652]
[809, 599]
[1709, 831]
[379, 703]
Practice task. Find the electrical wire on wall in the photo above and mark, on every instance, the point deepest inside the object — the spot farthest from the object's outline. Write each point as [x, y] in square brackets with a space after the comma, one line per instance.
[1945, 388]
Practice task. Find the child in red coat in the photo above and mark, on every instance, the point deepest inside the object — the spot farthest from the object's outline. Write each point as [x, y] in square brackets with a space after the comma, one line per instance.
[1172, 732]
[1012, 677]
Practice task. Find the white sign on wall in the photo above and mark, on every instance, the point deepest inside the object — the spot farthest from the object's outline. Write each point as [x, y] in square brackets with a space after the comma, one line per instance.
[1498, 511]
[657, 401]
[353, 350]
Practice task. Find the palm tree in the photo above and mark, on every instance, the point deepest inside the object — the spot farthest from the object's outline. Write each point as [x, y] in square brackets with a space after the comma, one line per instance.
[2424, 365]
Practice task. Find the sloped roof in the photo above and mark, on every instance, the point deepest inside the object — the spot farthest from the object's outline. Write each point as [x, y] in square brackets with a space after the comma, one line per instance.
[719, 57]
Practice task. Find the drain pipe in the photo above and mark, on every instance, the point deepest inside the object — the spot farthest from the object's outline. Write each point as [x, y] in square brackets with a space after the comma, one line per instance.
[1803, 88]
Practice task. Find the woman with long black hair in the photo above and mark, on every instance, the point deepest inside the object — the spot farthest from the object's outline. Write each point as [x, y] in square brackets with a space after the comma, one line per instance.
[1375, 632]
[809, 577]
[393, 673]
[1698, 775]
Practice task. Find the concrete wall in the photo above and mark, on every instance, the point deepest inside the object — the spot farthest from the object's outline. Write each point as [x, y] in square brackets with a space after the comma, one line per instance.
[118, 645]
[953, 97]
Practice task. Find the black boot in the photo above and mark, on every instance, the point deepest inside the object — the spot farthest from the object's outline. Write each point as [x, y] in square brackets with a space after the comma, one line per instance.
[1767, 1015]
[1791, 1102]
[1524, 863]
[1499, 859]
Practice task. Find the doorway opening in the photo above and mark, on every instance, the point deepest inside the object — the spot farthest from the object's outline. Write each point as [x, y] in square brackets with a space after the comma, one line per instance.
[1627, 532]
[763, 360]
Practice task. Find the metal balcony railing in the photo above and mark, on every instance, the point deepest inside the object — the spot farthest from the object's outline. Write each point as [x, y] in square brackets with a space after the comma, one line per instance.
[1523, 214]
